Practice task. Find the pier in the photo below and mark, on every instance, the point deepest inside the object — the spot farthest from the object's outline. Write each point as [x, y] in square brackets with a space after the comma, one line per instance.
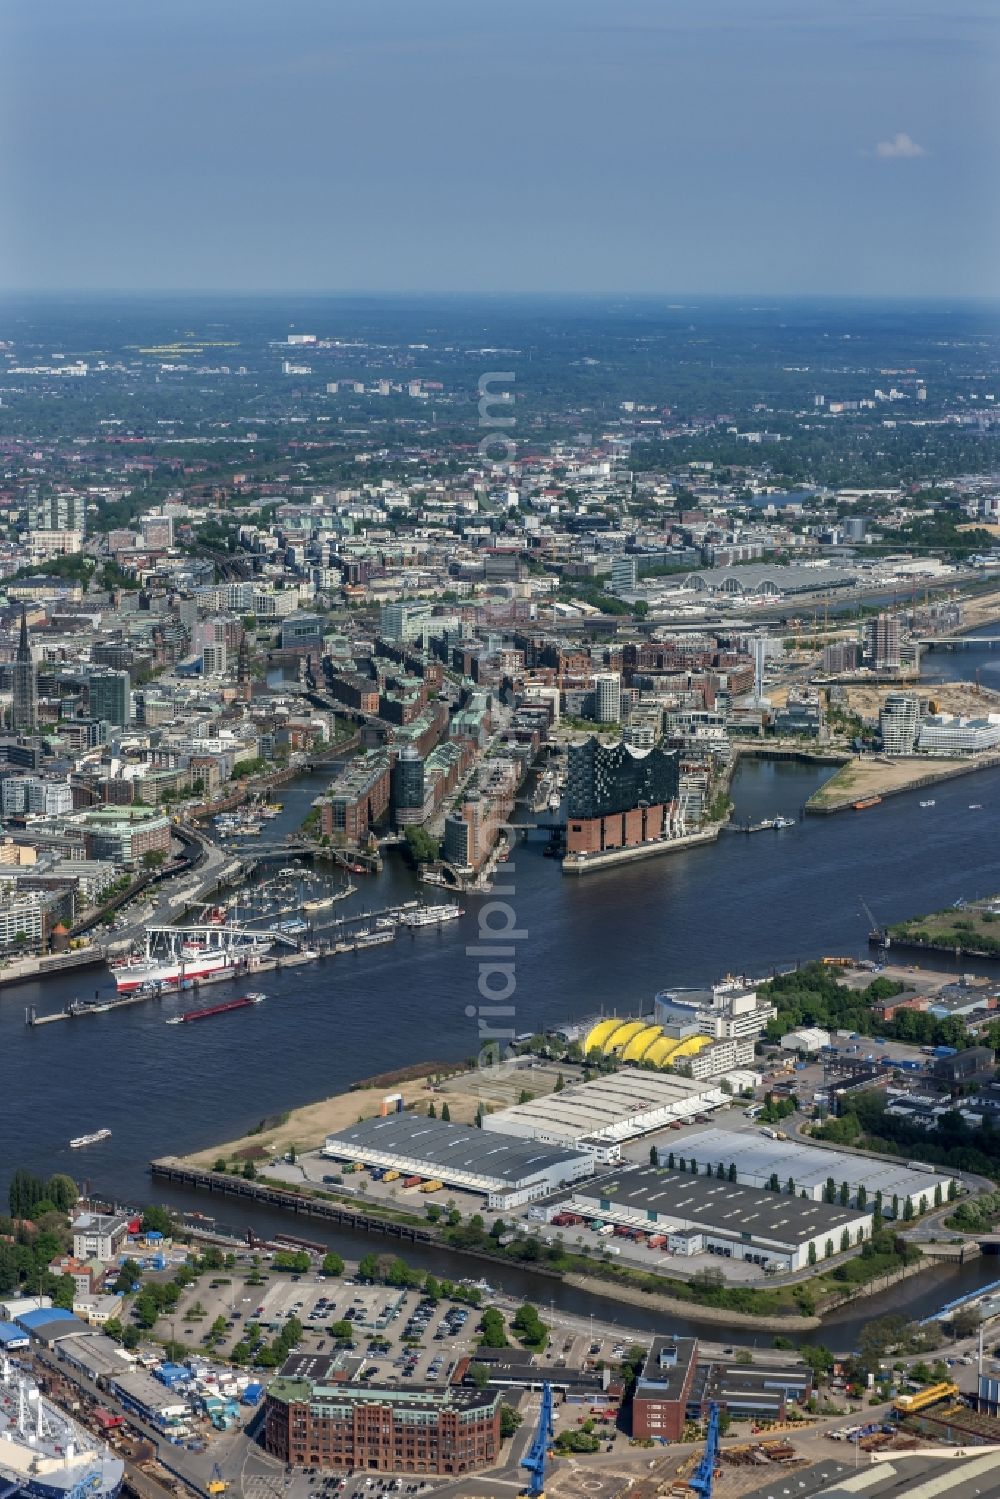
[170, 1169]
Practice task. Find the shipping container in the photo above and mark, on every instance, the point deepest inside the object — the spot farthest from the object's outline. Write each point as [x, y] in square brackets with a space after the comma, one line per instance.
[657, 1241]
[412, 1181]
[608, 1228]
[432, 1186]
[390, 1176]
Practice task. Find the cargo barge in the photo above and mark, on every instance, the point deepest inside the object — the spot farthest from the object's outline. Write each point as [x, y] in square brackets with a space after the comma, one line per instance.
[208, 1010]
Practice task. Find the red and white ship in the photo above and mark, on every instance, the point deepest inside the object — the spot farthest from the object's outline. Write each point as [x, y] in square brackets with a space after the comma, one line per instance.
[179, 958]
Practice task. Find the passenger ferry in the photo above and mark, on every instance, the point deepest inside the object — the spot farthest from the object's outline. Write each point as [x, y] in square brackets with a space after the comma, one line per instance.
[431, 915]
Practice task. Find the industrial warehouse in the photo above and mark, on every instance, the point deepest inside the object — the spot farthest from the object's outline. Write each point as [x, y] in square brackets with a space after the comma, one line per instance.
[706, 1215]
[510, 1172]
[597, 1116]
[759, 1160]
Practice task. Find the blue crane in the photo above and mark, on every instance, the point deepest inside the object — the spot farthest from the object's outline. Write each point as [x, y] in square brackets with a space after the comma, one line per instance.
[703, 1477]
[534, 1460]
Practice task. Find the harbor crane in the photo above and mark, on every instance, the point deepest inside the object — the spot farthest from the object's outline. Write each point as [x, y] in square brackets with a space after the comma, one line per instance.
[534, 1459]
[217, 1484]
[875, 929]
[703, 1478]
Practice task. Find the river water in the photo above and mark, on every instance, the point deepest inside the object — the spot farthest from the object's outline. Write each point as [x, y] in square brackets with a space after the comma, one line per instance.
[606, 942]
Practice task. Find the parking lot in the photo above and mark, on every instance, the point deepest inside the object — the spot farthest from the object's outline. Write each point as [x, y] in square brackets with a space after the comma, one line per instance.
[393, 1332]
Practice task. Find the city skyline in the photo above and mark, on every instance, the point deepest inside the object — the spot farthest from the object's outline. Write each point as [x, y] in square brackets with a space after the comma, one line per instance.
[717, 149]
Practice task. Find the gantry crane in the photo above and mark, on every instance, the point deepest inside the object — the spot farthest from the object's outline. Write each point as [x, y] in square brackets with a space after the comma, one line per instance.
[534, 1459]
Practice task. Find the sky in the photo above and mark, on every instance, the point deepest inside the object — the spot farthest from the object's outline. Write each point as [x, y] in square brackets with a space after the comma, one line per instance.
[797, 147]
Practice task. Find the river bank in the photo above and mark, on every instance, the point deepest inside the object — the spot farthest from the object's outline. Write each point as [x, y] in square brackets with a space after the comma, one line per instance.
[964, 930]
[873, 779]
[663, 1302]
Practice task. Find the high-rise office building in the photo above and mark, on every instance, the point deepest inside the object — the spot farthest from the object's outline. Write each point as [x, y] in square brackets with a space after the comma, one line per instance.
[110, 697]
[408, 785]
[623, 573]
[882, 643]
[607, 697]
[899, 723]
[214, 659]
[24, 710]
[57, 512]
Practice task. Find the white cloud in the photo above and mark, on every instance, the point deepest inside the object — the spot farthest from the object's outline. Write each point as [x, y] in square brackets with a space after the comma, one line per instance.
[901, 145]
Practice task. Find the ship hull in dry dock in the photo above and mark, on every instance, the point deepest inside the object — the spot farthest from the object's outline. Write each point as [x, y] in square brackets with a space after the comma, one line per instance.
[43, 1452]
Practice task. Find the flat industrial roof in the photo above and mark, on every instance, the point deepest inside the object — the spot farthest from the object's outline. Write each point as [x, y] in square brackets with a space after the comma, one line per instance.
[810, 1165]
[706, 1202]
[906, 1473]
[608, 1102]
[449, 1148]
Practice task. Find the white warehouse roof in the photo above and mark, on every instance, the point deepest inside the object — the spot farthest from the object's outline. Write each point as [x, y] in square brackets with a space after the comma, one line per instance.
[757, 1158]
[616, 1107]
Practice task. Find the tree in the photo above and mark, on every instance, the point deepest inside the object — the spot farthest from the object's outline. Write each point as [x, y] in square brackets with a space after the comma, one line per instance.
[529, 1327]
[671, 1162]
[63, 1292]
[129, 1275]
[862, 1197]
[845, 1240]
[432, 1288]
[62, 1191]
[811, 1256]
[720, 1172]
[421, 848]
[908, 1210]
[510, 1420]
[845, 1194]
[249, 1170]
[560, 1085]
[445, 1114]
[156, 1220]
[368, 1267]
[733, 1173]
[333, 1264]
[830, 1190]
[828, 1249]
[479, 1375]
[24, 1193]
[154, 858]
[966, 1321]
[682, 1164]
[220, 1164]
[492, 1332]
[652, 1156]
[342, 1331]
